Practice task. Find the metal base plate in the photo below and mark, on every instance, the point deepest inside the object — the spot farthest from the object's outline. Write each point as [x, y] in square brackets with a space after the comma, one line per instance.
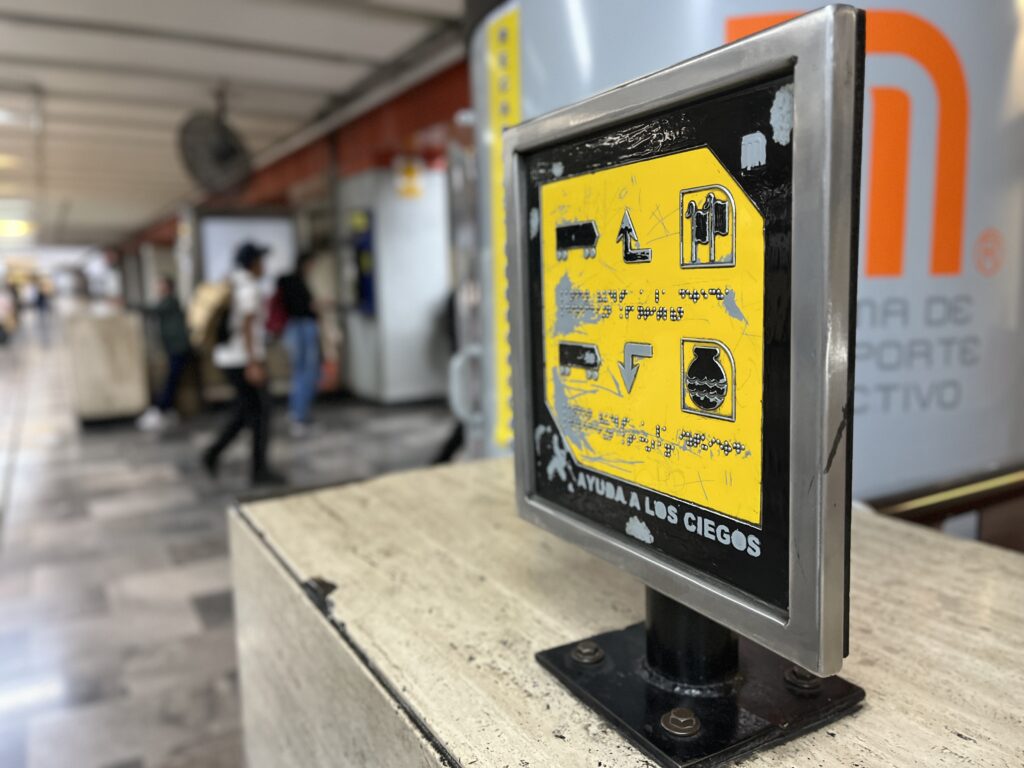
[761, 709]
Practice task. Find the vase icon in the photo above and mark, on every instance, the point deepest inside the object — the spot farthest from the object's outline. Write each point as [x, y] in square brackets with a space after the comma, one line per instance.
[706, 381]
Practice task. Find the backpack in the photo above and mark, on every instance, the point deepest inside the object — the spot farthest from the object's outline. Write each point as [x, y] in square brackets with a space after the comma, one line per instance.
[222, 320]
[277, 315]
[209, 315]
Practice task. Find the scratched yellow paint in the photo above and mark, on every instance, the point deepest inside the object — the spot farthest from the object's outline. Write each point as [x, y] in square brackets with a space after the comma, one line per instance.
[504, 111]
[680, 431]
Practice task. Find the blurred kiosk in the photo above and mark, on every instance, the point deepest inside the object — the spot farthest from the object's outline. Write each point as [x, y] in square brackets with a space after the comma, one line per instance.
[683, 254]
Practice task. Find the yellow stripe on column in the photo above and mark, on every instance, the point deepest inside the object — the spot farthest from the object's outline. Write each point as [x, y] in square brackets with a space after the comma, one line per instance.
[504, 107]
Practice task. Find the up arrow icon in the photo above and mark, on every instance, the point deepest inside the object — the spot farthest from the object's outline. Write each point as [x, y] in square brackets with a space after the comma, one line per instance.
[627, 234]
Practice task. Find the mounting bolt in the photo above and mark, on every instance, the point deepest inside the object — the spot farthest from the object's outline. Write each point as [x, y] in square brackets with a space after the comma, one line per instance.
[681, 722]
[587, 652]
[801, 682]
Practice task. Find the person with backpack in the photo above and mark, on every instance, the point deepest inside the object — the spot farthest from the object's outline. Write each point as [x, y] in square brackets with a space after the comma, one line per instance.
[301, 332]
[174, 338]
[241, 355]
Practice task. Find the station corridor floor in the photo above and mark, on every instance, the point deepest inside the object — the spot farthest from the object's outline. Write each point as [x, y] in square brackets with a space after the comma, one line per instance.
[116, 631]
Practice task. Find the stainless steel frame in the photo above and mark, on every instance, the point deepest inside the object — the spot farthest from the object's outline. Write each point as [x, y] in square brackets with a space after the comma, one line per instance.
[822, 49]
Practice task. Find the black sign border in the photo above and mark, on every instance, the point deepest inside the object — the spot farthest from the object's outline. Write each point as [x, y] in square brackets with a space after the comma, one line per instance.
[718, 122]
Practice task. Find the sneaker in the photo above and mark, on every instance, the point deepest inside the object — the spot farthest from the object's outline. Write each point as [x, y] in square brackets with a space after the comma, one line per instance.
[298, 430]
[268, 477]
[151, 420]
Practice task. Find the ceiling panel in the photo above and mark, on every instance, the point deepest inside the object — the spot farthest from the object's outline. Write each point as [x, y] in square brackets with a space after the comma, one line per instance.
[71, 109]
[127, 86]
[69, 148]
[92, 92]
[451, 9]
[112, 133]
[254, 135]
[173, 58]
[94, 215]
[98, 112]
[339, 29]
[158, 189]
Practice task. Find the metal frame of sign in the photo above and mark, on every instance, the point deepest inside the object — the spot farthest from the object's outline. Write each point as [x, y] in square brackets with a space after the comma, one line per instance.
[821, 49]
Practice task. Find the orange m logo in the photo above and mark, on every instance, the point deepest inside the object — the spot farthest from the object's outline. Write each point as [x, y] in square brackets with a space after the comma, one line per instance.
[896, 32]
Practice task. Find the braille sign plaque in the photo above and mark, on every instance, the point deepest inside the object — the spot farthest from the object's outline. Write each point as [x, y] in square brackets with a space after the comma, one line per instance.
[682, 254]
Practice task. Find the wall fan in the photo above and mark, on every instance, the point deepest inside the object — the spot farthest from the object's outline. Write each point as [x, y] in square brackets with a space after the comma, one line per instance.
[213, 153]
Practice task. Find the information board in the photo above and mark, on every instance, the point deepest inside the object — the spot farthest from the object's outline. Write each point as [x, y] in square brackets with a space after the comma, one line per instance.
[682, 316]
[221, 235]
[650, 383]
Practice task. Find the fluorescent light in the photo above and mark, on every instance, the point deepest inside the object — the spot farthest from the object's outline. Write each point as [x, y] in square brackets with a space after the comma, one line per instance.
[10, 117]
[15, 228]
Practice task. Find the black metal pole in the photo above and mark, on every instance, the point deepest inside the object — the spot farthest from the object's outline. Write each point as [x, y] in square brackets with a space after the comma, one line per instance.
[686, 647]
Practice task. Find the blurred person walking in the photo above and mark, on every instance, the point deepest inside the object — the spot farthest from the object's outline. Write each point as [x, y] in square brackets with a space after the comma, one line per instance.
[174, 339]
[7, 316]
[302, 340]
[242, 357]
[12, 292]
[42, 304]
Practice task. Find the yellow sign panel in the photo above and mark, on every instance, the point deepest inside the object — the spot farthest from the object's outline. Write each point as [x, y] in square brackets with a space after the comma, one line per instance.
[653, 301]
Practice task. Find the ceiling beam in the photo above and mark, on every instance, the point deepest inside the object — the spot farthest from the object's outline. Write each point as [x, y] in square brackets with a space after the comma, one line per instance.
[127, 84]
[70, 107]
[234, 107]
[119, 69]
[129, 184]
[392, 11]
[121, 125]
[80, 24]
[439, 50]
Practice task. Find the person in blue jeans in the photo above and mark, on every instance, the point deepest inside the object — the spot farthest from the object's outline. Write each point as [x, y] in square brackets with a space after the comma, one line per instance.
[302, 340]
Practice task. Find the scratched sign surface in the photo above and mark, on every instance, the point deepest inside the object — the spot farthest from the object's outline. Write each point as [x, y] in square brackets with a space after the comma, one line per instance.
[653, 314]
[660, 330]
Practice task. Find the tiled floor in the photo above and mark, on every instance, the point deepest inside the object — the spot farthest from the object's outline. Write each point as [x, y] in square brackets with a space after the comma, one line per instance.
[116, 630]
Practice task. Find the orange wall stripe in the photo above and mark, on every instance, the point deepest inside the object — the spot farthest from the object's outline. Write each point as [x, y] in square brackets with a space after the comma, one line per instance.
[887, 200]
[904, 33]
[897, 32]
[375, 138]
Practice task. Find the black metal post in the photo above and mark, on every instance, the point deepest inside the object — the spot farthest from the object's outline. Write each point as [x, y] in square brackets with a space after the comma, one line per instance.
[686, 647]
[689, 705]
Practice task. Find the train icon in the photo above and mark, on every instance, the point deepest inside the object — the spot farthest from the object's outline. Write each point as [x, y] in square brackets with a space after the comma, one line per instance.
[576, 235]
[584, 357]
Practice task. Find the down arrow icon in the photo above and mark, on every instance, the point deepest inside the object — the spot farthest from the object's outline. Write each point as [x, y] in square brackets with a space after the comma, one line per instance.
[629, 367]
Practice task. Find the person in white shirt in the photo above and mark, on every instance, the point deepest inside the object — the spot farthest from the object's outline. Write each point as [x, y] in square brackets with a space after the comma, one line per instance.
[242, 357]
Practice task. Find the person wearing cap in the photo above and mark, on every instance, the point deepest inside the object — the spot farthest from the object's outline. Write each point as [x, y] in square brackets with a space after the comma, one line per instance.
[242, 358]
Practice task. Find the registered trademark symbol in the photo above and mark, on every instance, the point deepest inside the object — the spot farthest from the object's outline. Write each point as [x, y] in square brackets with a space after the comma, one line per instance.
[988, 252]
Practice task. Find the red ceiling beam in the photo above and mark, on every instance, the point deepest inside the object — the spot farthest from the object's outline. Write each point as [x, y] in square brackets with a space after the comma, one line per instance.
[399, 126]
[374, 139]
[270, 185]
